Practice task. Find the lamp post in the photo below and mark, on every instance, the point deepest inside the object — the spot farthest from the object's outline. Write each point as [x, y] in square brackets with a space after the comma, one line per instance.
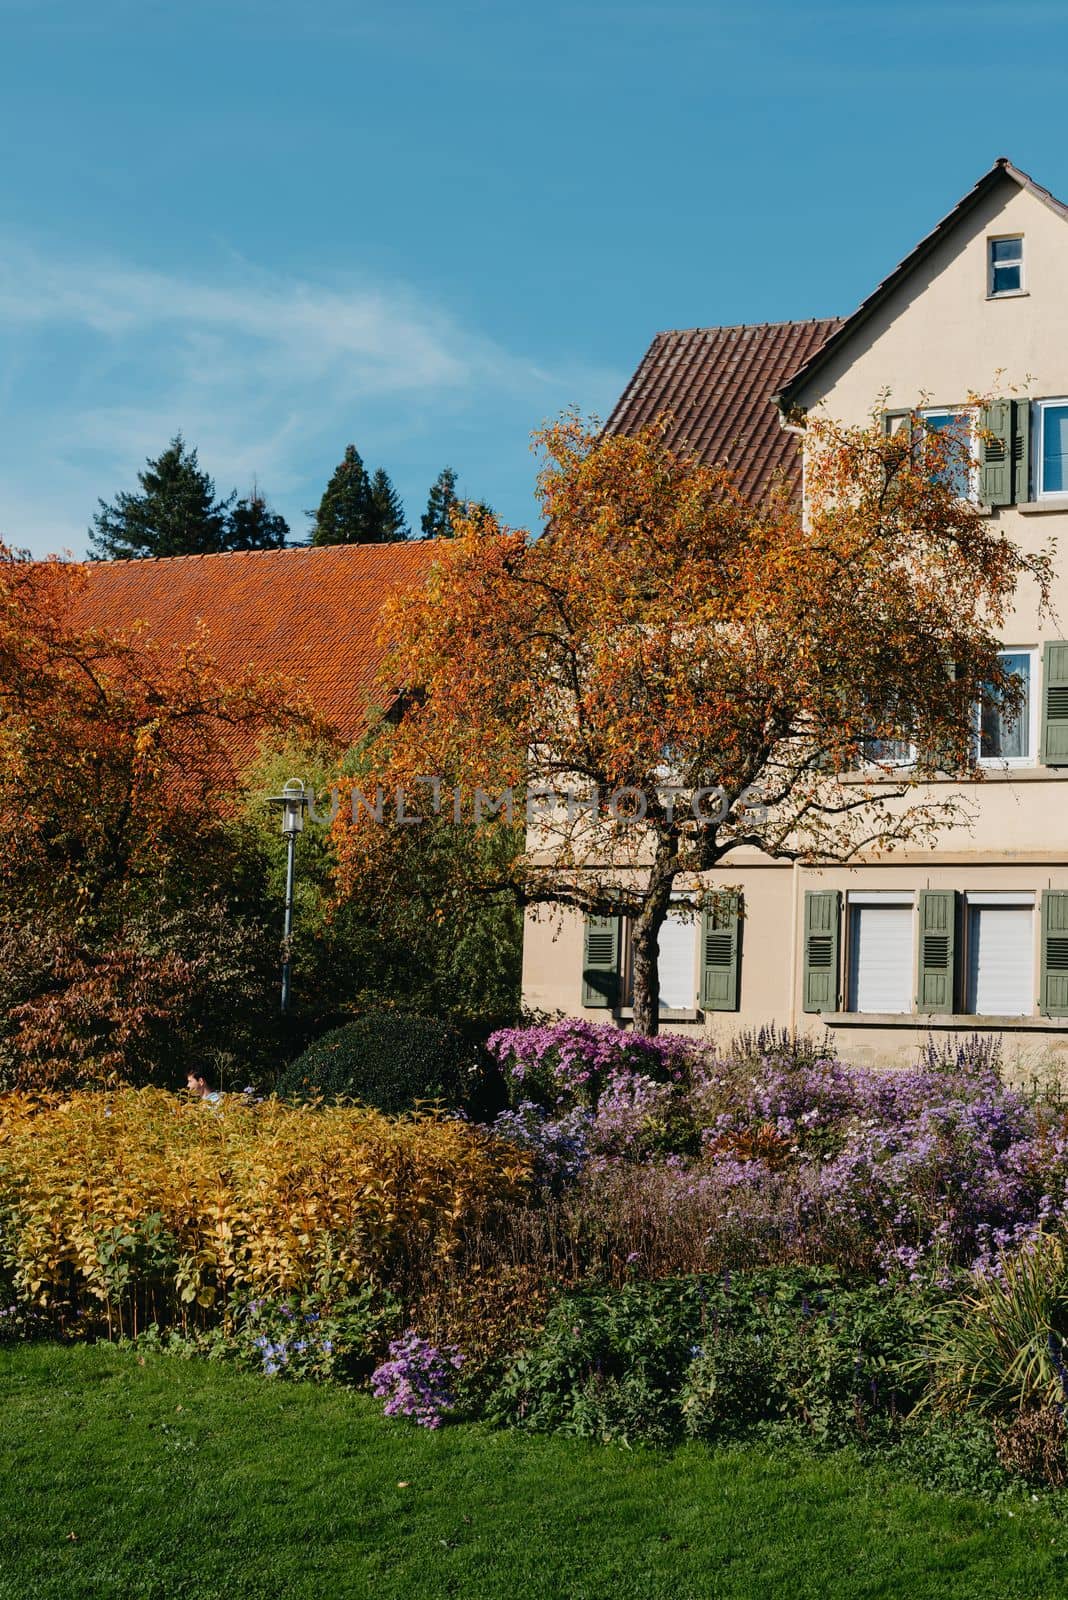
[293, 802]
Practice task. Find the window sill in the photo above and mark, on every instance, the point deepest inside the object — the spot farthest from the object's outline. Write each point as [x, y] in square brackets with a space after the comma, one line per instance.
[1010, 294]
[626, 1014]
[962, 1023]
[998, 772]
[1042, 508]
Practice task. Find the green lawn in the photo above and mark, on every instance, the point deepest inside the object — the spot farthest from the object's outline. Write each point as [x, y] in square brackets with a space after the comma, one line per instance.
[176, 1479]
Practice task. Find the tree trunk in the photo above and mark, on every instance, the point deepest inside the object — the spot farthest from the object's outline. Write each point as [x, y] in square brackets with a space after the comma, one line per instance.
[645, 951]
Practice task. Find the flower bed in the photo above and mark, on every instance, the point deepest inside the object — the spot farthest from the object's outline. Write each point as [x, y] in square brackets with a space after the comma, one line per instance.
[656, 1239]
[786, 1153]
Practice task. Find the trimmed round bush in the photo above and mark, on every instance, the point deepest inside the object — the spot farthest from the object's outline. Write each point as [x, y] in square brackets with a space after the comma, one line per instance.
[386, 1060]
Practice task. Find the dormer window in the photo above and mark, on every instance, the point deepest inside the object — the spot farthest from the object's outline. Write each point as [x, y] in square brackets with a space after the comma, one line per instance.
[1005, 275]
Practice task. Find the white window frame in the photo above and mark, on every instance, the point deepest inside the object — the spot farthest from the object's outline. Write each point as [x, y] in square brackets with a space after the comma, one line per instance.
[1003, 763]
[972, 416]
[1038, 421]
[857, 899]
[626, 973]
[1025, 900]
[895, 763]
[1003, 238]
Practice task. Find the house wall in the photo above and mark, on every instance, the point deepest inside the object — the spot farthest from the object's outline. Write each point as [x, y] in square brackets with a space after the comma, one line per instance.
[936, 339]
[939, 338]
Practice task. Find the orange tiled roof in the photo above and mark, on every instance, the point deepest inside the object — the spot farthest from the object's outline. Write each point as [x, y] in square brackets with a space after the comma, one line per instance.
[308, 613]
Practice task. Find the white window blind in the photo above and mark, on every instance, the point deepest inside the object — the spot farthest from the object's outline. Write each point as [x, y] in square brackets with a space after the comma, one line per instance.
[881, 957]
[1001, 960]
[677, 963]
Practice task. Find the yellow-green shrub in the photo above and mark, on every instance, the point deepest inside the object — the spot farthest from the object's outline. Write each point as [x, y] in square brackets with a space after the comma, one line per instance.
[140, 1205]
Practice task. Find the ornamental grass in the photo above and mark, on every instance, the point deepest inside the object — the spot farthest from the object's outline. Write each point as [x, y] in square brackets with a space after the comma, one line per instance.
[120, 1210]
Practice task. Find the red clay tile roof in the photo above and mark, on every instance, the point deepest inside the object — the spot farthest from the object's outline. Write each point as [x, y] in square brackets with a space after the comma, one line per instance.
[309, 614]
[718, 384]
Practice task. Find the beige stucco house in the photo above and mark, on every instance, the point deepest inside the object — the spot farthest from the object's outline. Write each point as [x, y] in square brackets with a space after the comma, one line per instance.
[972, 935]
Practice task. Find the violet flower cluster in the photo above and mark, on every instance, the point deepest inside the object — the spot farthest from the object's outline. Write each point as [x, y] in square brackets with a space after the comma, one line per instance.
[418, 1380]
[291, 1343]
[919, 1171]
[940, 1165]
[575, 1061]
[560, 1145]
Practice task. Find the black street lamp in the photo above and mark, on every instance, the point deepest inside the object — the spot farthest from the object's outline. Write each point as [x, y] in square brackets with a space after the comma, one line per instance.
[293, 802]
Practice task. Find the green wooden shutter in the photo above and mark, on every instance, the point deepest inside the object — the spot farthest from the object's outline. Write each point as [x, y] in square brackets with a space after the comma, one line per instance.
[1021, 450]
[823, 918]
[995, 452]
[896, 422]
[1053, 999]
[721, 953]
[600, 962]
[936, 987]
[1055, 703]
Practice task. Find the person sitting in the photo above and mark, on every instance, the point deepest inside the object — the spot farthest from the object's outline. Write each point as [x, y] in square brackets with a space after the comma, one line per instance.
[197, 1084]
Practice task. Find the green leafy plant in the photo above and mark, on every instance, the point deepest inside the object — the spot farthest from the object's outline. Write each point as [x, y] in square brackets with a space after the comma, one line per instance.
[303, 1337]
[716, 1356]
[1002, 1345]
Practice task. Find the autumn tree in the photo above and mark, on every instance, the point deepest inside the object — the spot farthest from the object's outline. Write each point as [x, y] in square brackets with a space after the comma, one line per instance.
[690, 676]
[120, 930]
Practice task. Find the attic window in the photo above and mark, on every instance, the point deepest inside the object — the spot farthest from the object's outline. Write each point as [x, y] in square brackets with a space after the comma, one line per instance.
[1005, 275]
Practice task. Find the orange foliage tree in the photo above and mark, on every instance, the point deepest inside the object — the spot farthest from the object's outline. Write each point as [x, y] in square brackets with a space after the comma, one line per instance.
[118, 761]
[734, 673]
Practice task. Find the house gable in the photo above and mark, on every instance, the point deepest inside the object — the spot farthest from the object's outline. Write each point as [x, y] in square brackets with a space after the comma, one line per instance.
[930, 327]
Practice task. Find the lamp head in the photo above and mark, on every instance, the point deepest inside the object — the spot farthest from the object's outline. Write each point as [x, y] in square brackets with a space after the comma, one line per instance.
[293, 802]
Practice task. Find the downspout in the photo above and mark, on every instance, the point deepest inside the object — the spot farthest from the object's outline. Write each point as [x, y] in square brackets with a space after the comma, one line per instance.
[799, 428]
[795, 869]
[795, 901]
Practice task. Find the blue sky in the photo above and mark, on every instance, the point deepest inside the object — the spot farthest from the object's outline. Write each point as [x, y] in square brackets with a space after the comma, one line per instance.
[426, 227]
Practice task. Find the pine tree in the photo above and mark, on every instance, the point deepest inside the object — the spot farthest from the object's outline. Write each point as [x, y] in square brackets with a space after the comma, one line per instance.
[388, 508]
[346, 513]
[254, 526]
[436, 521]
[176, 514]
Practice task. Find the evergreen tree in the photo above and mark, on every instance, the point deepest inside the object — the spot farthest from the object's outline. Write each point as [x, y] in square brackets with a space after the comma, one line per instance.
[436, 521]
[176, 514]
[346, 513]
[254, 526]
[388, 508]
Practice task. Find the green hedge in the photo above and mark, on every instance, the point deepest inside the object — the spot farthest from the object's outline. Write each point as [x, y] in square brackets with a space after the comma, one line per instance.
[386, 1060]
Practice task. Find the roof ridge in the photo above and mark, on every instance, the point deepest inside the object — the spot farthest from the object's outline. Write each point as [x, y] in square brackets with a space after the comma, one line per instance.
[283, 550]
[746, 327]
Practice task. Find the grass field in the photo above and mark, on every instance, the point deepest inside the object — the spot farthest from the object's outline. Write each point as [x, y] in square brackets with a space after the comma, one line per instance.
[186, 1481]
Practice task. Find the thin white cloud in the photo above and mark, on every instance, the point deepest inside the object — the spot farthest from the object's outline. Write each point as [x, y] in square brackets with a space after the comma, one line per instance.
[389, 336]
[105, 361]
